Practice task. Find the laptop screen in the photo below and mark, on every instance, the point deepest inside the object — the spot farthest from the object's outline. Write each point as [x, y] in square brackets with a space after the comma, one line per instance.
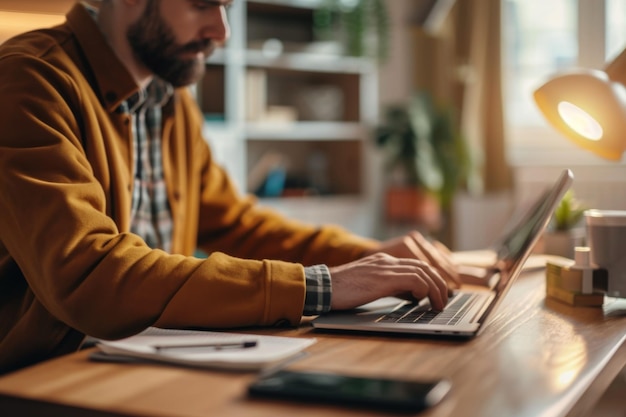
[521, 236]
[518, 242]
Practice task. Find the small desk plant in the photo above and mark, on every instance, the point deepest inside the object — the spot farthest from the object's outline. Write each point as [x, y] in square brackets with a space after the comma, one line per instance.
[565, 231]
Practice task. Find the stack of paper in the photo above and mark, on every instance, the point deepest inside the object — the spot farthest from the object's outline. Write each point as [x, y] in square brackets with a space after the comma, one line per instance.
[203, 349]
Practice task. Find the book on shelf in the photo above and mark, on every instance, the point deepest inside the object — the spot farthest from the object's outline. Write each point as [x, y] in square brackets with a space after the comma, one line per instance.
[202, 349]
[256, 94]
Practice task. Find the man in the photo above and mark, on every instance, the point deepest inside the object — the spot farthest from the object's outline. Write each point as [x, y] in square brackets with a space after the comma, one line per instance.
[108, 187]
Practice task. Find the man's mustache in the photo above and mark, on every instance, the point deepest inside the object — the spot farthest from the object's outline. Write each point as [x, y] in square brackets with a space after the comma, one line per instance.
[205, 46]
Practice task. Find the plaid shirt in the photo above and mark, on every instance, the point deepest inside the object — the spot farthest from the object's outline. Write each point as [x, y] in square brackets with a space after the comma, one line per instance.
[151, 217]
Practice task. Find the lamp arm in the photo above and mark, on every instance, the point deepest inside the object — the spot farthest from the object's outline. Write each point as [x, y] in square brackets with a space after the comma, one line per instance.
[616, 69]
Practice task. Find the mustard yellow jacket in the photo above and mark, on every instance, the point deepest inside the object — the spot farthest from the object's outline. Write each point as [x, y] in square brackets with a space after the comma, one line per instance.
[69, 265]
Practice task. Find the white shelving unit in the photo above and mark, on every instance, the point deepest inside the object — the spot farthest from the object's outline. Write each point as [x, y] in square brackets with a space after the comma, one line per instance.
[269, 92]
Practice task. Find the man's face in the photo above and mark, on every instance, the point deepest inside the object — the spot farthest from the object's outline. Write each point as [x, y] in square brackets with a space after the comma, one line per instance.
[175, 50]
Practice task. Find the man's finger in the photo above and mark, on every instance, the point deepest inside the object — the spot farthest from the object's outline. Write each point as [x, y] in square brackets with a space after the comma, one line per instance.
[433, 256]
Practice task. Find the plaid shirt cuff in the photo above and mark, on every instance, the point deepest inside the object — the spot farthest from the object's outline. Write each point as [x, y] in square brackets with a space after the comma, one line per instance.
[318, 290]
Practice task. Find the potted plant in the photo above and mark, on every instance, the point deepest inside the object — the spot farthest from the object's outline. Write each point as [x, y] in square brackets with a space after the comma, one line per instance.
[427, 160]
[362, 25]
[564, 232]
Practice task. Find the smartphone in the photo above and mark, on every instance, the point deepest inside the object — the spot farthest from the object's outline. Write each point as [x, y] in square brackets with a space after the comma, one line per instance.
[384, 393]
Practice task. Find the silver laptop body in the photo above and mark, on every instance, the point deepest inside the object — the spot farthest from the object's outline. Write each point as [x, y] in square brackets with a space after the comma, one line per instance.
[468, 310]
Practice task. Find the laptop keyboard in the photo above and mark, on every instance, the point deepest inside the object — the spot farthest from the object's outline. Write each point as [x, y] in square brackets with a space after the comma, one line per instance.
[411, 313]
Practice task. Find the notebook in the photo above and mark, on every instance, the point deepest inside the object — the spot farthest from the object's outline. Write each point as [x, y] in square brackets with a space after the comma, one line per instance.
[469, 309]
[202, 349]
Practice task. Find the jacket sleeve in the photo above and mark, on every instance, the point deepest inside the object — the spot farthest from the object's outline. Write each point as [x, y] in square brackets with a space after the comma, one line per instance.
[72, 256]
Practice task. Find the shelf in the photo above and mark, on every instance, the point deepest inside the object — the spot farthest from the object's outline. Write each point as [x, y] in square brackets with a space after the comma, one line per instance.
[304, 4]
[217, 130]
[321, 131]
[297, 61]
[350, 212]
[308, 62]
[309, 203]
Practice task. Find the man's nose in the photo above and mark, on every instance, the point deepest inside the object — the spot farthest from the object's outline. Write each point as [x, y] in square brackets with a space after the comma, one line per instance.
[218, 28]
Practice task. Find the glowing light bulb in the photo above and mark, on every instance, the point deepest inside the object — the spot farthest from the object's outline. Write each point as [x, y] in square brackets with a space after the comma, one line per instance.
[580, 121]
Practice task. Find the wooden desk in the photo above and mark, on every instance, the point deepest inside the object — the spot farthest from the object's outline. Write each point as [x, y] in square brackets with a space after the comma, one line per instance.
[537, 358]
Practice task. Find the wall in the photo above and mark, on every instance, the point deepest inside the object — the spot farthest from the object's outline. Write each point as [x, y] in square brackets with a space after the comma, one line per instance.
[602, 186]
[17, 17]
[478, 220]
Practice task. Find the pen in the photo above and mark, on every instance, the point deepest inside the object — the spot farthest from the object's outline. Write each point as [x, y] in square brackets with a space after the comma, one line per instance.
[215, 346]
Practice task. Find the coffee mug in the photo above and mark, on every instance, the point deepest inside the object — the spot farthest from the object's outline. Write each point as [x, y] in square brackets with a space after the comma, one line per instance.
[606, 237]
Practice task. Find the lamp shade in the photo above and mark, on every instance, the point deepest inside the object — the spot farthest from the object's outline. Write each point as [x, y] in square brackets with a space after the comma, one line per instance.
[588, 108]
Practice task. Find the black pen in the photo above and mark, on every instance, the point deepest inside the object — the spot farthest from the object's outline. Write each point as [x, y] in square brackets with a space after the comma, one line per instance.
[214, 346]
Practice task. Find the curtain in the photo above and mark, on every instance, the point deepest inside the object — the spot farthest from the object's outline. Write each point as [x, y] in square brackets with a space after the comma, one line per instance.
[482, 114]
[460, 64]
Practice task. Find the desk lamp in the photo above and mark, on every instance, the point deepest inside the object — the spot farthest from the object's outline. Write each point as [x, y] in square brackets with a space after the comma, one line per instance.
[589, 108]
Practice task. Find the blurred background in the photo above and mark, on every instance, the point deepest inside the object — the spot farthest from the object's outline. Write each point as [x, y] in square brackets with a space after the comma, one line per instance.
[386, 116]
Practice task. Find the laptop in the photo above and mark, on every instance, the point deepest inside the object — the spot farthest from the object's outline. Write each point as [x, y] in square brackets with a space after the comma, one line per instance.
[470, 307]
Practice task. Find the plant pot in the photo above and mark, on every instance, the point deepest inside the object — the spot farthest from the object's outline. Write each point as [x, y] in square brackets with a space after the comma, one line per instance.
[412, 205]
[562, 243]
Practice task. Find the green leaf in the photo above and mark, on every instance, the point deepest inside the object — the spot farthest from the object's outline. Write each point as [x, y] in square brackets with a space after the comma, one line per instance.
[568, 213]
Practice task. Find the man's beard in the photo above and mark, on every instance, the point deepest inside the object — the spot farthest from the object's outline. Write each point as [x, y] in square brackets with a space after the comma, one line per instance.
[153, 42]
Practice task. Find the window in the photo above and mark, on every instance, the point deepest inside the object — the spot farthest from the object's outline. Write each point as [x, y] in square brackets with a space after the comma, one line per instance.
[615, 27]
[541, 38]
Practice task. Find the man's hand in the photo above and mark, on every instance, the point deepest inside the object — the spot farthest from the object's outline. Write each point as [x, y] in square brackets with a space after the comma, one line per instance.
[416, 246]
[382, 275]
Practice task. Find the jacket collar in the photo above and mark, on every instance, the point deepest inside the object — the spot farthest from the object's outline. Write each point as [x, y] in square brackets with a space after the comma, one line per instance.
[114, 83]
